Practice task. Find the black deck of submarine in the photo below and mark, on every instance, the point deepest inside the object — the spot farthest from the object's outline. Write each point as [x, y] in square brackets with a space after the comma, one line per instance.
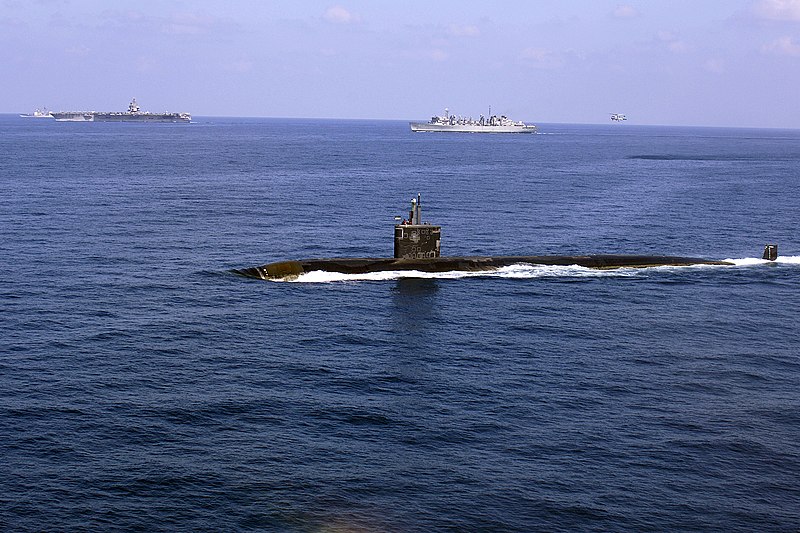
[364, 265]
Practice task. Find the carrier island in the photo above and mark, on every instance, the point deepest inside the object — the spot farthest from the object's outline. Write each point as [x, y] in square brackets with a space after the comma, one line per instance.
[417, 247]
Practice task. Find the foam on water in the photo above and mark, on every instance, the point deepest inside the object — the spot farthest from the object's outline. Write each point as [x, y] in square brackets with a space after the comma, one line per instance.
[755, 261]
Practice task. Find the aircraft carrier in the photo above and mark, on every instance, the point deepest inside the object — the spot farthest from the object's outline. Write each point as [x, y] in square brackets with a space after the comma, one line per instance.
[133, 114]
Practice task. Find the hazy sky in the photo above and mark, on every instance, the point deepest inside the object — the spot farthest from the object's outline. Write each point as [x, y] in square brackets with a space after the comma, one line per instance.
[678, 62]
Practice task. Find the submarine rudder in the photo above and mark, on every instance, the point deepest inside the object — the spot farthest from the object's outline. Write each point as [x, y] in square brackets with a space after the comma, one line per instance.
[770, 252]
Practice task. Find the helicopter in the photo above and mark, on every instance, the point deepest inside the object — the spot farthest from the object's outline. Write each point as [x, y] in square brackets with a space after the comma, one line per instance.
[618, 117]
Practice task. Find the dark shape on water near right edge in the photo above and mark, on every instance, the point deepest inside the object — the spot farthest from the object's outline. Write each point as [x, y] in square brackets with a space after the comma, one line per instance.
[417, 247]
[770, 252]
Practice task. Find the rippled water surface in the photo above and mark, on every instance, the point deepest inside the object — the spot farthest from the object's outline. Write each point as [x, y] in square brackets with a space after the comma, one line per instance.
[143, 386]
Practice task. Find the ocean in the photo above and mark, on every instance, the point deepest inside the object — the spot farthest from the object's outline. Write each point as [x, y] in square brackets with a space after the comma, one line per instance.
[145, 387]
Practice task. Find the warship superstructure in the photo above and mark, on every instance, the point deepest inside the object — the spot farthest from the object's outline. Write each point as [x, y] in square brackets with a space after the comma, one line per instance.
[133, 114]
[459, 124]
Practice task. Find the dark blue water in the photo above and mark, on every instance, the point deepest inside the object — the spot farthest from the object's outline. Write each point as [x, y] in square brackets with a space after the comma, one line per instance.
[145, 387]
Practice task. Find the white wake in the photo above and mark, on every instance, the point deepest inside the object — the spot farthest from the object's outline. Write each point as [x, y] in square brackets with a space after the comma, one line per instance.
[754, 261]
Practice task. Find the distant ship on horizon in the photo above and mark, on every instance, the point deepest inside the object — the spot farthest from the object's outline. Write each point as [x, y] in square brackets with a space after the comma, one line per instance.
[133, 114]
[39, 113]
[490, 124]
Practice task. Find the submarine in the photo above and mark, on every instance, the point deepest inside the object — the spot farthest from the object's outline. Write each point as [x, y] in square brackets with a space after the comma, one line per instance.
[417, 246]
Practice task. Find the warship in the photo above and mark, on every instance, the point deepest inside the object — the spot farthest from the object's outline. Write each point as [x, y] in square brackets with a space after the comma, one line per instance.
[39, 113]
[417, 247]
[458, 124]
[133, 114]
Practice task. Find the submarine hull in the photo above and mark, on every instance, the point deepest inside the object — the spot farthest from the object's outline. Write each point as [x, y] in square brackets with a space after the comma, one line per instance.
[291, 269]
